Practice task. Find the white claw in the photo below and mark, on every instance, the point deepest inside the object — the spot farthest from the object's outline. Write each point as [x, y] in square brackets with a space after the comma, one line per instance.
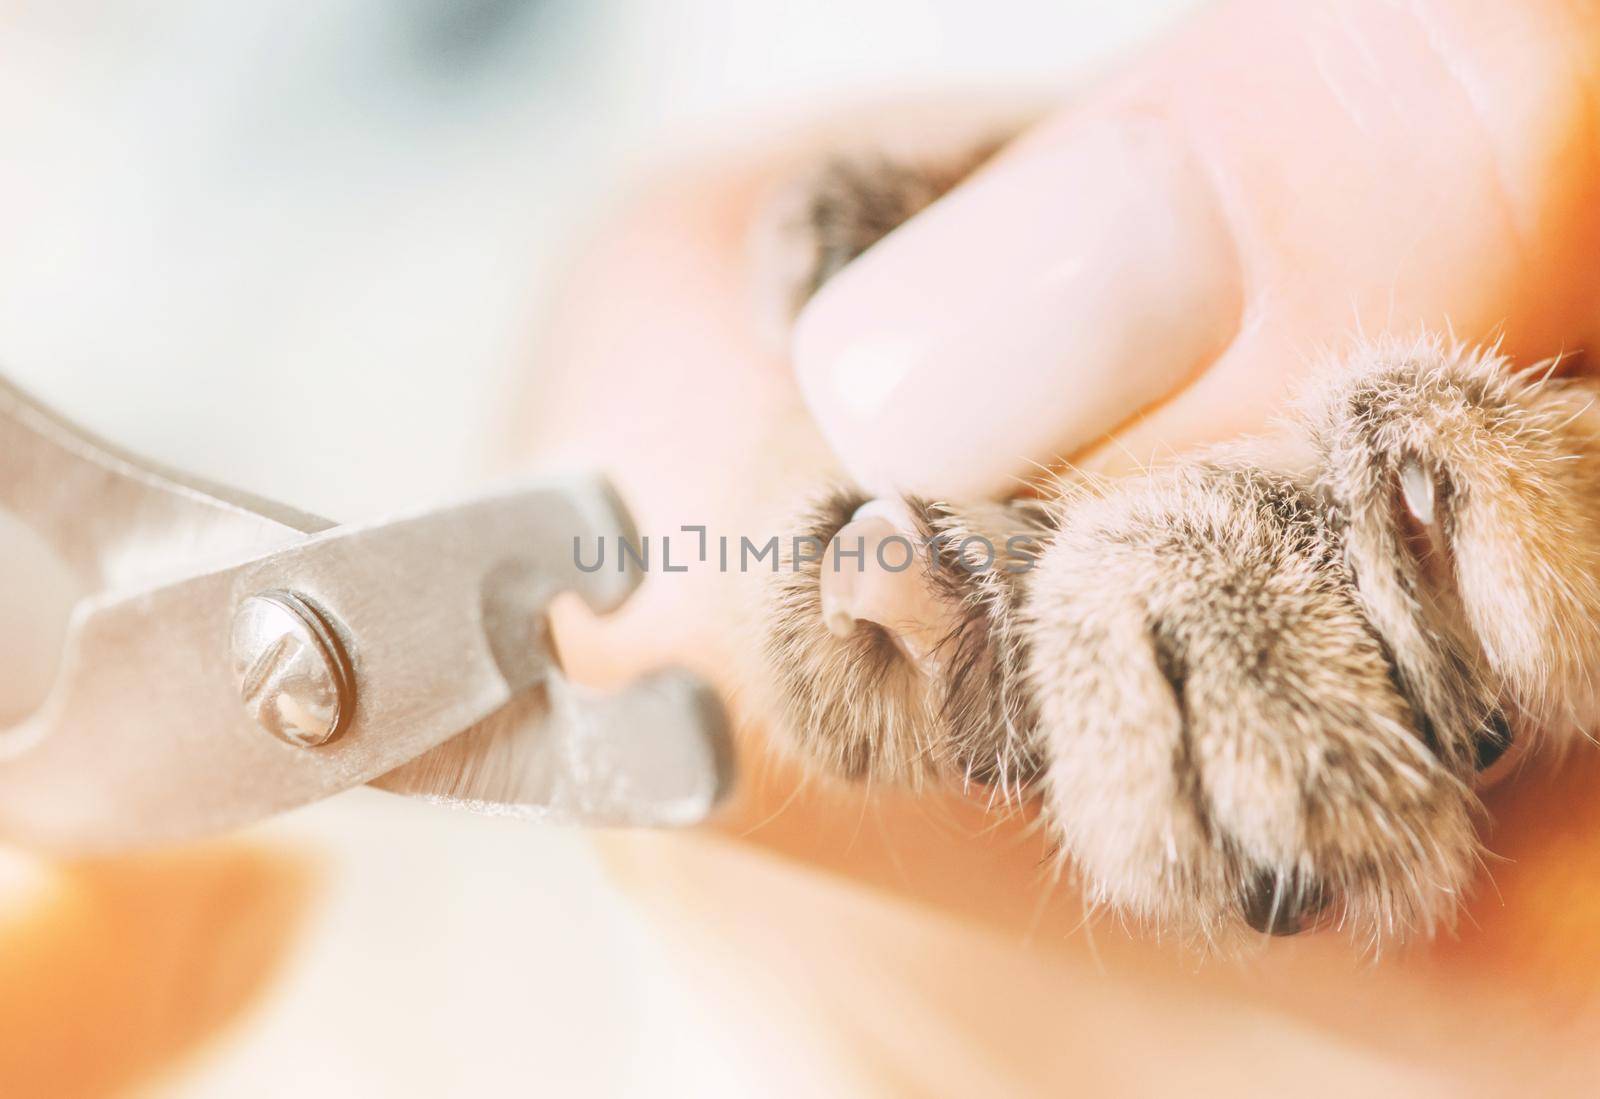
[862, 581]
[838, 601]
[1416, 485]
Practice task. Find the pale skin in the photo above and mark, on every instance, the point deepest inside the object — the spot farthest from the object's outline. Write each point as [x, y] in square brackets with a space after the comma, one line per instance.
[925, 941]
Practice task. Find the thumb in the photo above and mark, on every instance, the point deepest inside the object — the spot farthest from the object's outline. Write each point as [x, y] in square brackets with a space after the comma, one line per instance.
[1154, 264]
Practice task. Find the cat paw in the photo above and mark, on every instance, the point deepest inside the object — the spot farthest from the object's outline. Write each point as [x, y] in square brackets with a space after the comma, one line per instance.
[1225, 739]
[892, 638]
[1466, 495]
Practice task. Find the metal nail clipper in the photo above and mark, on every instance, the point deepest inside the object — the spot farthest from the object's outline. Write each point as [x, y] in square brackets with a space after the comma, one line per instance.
[235, 658]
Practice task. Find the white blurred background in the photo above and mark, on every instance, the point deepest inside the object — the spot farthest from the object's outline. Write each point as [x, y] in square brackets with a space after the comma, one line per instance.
[300, 246]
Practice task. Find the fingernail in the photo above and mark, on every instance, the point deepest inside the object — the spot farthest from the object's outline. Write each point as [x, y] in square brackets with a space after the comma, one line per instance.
[1025, 315]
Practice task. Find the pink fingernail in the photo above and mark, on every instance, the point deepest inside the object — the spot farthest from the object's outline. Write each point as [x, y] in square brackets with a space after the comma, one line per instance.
[1025, 315]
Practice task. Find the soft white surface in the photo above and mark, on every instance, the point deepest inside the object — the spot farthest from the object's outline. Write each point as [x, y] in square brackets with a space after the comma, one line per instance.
[299, 246]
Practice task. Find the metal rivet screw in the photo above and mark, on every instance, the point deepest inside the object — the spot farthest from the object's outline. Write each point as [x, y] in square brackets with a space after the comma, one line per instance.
[293, 677]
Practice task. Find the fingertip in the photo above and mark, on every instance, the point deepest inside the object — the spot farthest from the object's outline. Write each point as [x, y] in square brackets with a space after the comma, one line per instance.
[1027, 313]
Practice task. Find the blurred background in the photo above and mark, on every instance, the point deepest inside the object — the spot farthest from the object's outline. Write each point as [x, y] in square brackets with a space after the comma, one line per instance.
[300, 246]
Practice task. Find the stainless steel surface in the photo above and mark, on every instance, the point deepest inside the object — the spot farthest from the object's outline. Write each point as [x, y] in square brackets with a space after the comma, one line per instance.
[440, 614]
[567, 755]
[293, 679]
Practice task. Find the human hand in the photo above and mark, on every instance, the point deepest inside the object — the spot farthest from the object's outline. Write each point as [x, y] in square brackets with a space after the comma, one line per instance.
[1156, 265]
[710, 429]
